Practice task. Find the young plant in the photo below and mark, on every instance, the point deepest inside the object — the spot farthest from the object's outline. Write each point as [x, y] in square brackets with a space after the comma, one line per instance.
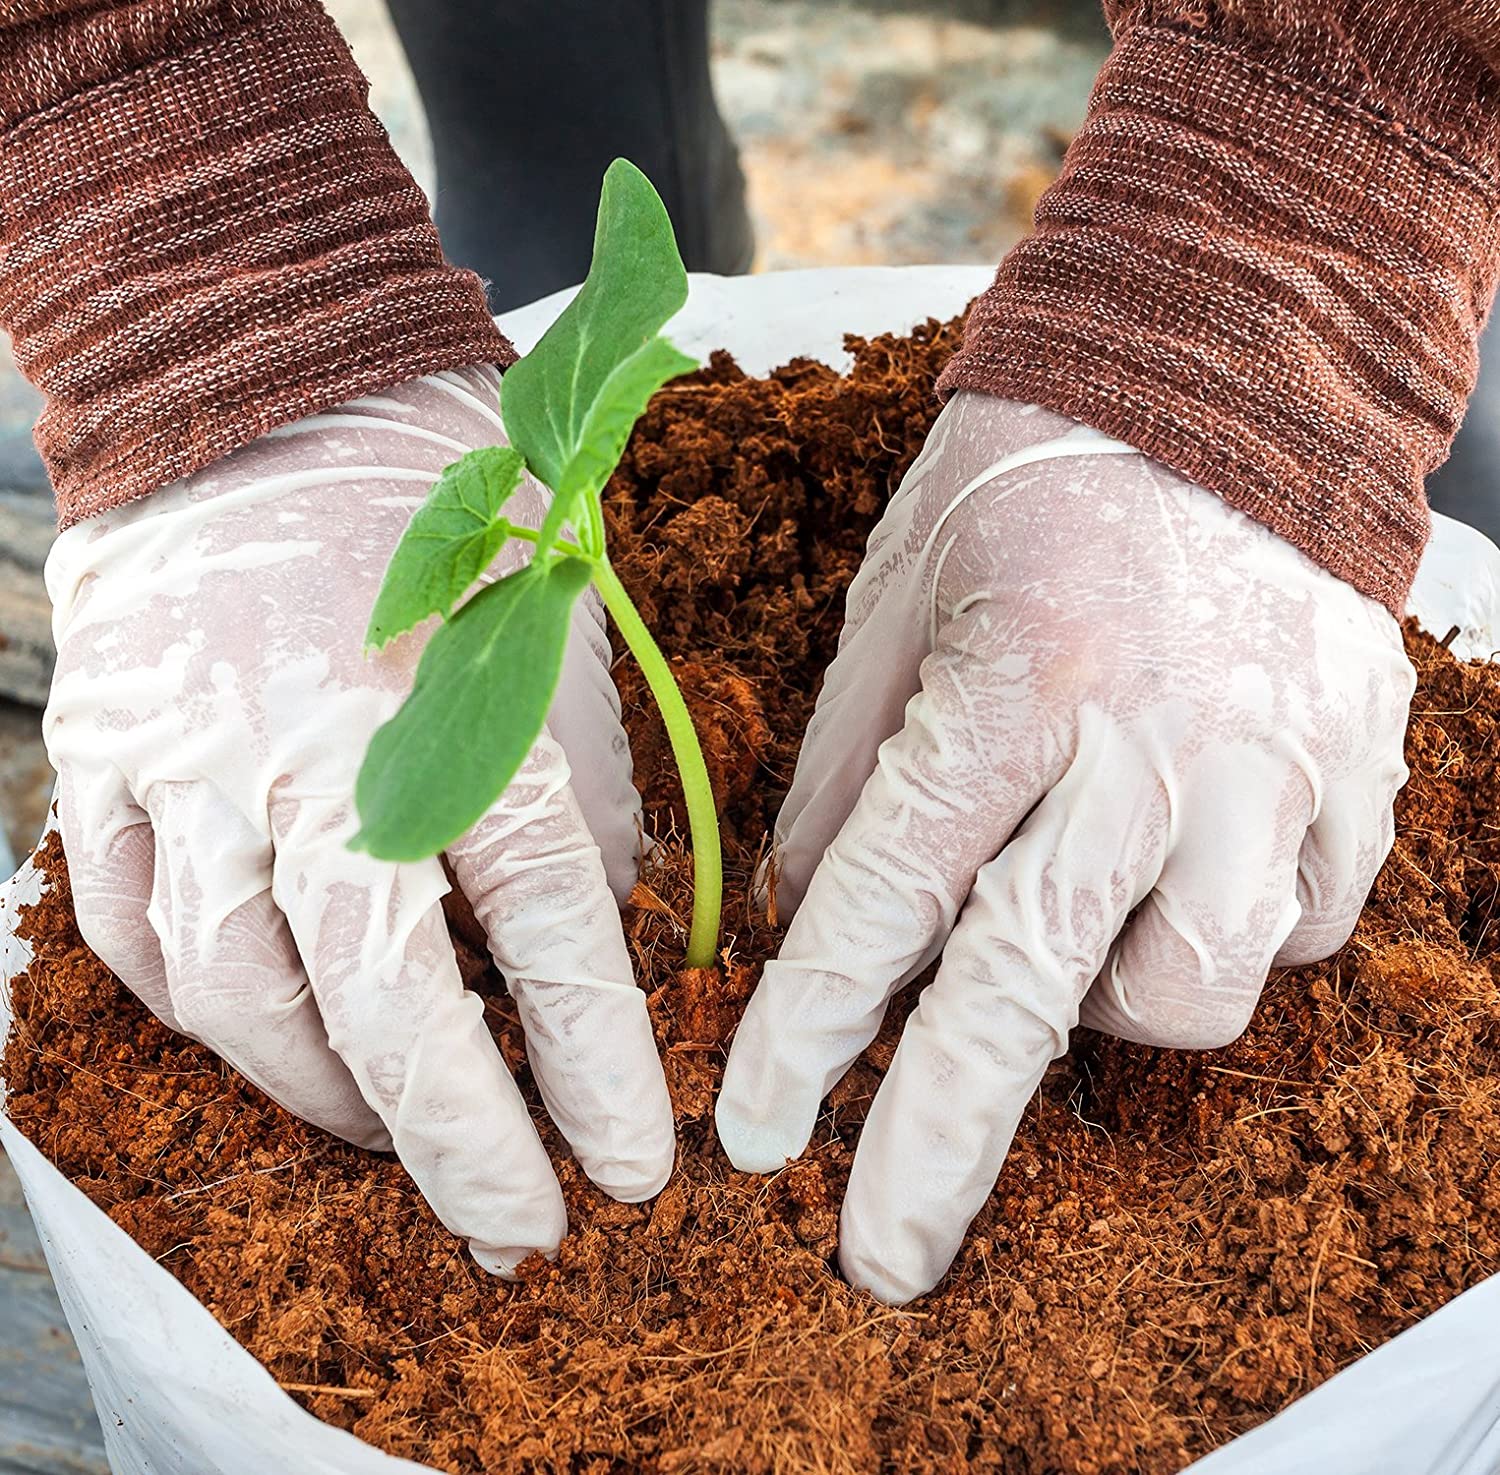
[489, 673]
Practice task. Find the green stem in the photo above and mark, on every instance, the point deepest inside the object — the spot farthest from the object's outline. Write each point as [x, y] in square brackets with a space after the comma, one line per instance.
[595, 538]
[514, 530]
[703, 819]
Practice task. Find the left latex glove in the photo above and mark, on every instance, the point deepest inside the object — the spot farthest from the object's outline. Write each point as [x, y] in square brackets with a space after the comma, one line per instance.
[1109, 745]
[211, 708]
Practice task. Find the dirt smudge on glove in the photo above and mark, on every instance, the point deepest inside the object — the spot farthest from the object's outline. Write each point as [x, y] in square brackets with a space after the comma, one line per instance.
[1180, 1244]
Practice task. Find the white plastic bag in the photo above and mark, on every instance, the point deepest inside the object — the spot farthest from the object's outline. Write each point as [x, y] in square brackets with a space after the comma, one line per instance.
[178, 1396]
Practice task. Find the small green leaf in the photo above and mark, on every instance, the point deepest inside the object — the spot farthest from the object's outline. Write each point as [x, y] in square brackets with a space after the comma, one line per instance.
[607, 426]
[452, 538]
[481, 696]
[619, 403]
[635, 283]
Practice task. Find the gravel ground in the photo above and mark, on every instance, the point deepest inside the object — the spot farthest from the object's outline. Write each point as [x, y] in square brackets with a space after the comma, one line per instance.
[47, 1422]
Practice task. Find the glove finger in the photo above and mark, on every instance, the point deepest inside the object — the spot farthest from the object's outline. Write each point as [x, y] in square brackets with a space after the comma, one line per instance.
[864, 696]
[111, 864]
[939, 804]
[1189, 969]
[532, 873]
[1034, 932]
[585, 722]
[1341, 855]
[1353, 826]
[232, 971]
[376, 948]
[862, 702]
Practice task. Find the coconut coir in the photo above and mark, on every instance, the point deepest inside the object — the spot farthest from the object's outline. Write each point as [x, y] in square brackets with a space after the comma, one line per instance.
[1179, 1245]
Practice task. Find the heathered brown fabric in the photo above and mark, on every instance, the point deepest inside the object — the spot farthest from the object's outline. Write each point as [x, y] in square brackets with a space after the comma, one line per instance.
[205, 233]
[1267, 260]
[1265, 263]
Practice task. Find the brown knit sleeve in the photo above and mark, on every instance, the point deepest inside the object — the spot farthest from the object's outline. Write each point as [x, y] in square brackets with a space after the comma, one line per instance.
[1267, 260]
[205, 233]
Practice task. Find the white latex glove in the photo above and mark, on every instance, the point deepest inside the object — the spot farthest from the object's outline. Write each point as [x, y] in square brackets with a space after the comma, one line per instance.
[1111, 746]
[211, 708]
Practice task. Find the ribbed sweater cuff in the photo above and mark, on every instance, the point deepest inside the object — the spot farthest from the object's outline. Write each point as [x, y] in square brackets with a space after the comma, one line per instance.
[1269, 286]
[200, 245]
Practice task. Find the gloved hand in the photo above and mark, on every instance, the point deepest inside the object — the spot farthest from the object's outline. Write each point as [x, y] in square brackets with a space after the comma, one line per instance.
[1112, 747]
[211, 707]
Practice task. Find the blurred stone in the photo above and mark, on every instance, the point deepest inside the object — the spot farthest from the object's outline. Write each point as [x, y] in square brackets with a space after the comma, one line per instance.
[47, 1420]
[21, 468]
[26, 531]
[26, 780]
[884, 133]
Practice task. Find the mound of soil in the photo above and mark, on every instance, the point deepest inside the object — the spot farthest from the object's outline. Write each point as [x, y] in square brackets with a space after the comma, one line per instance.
[1179, 1245]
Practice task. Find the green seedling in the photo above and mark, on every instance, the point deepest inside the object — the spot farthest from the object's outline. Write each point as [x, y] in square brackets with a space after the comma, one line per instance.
[488, 675]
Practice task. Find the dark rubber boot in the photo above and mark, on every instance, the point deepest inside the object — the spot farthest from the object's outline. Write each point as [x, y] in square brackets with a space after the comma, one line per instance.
[528, 101]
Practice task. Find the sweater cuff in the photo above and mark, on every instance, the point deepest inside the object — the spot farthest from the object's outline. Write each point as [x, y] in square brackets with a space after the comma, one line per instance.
[211, 243]
[1267, 285]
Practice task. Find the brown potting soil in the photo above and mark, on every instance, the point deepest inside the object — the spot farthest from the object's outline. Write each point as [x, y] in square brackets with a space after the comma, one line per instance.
[1179, 1245]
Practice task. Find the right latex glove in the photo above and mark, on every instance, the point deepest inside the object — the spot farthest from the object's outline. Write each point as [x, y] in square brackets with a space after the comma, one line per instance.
[1114, 746]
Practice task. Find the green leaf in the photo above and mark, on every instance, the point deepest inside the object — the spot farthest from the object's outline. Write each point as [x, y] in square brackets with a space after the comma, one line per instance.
[607, 426]
[635, 283]
[482, 692]
[616, 407]
[452, 538]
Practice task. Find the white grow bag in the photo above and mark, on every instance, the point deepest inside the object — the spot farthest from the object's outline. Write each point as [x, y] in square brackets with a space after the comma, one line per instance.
[178, 1396]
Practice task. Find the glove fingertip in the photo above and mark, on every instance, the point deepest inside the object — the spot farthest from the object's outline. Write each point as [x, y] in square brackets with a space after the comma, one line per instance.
[878, 1275]
[756, 1144]
[637, 1181]
[631, 1156]
[538, 1222]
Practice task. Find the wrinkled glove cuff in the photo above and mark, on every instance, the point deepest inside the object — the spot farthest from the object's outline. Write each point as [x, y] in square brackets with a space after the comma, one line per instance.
[1265, 282]
[204, 234]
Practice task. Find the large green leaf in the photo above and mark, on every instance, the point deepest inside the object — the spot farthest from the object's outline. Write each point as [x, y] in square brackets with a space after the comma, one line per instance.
[635, 283]
[482, 692]
[450, 541]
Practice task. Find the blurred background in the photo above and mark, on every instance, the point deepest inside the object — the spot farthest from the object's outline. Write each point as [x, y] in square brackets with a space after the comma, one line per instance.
[869, 132]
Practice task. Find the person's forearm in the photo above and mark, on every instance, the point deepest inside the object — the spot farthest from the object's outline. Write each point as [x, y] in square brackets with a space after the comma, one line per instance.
[204, 234]
[1267, 260]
